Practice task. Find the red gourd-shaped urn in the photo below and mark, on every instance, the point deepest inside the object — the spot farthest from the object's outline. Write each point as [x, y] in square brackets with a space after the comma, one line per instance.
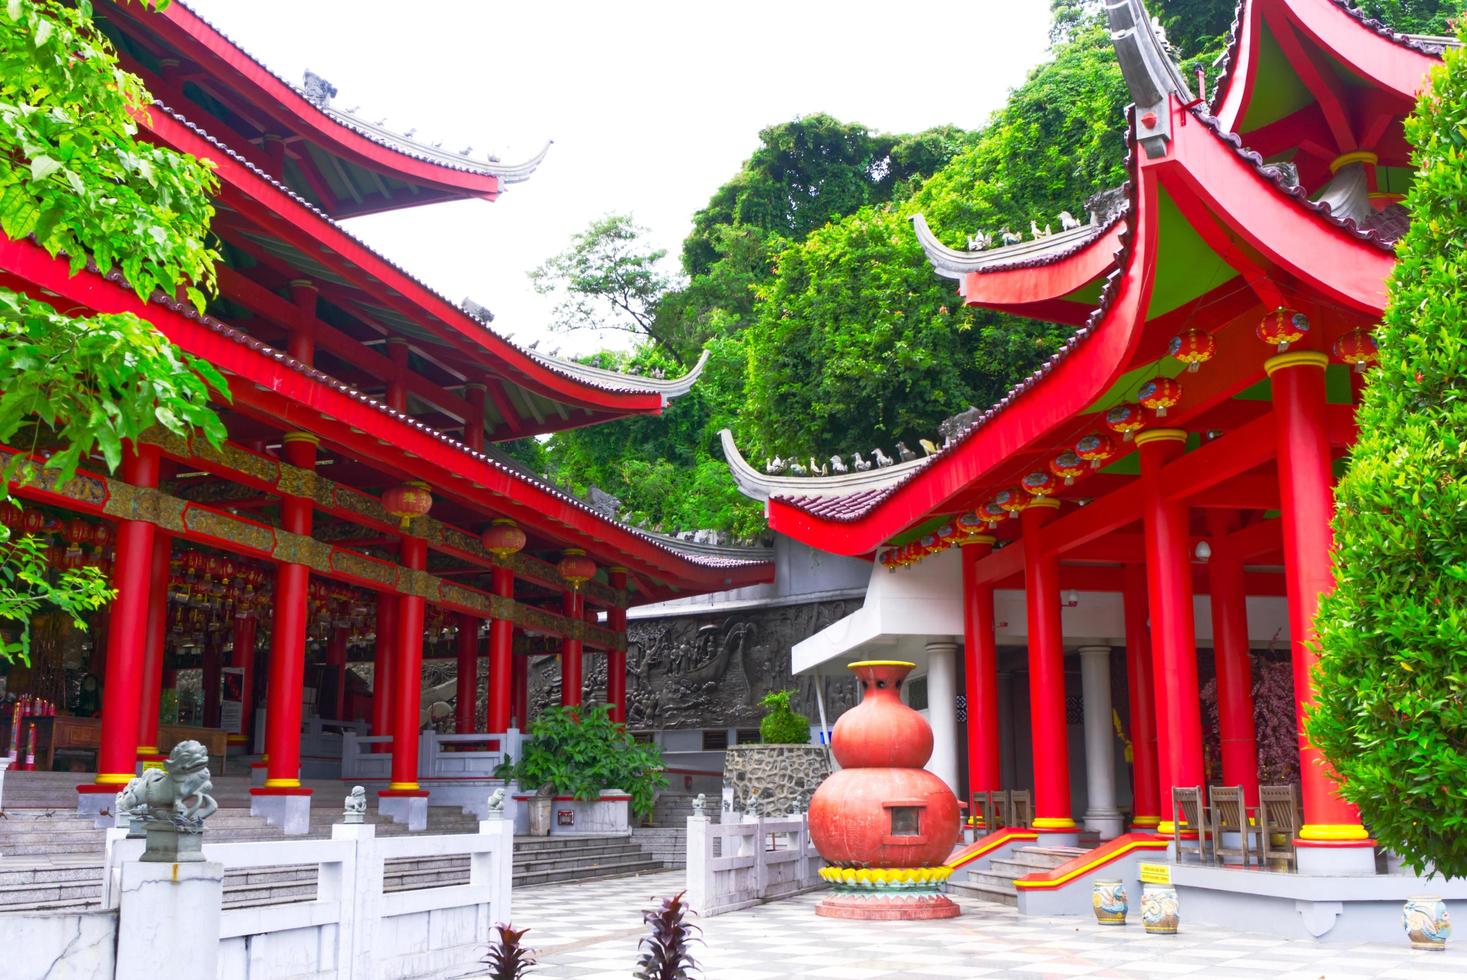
[884, 825]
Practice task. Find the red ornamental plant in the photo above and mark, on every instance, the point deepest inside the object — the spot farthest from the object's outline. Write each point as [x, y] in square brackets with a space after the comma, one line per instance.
[509, 958]
[665, 953]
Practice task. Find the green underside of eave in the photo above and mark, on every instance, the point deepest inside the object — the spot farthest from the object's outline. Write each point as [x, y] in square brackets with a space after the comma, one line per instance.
[1186, 268]
[1336, 387]
[1089, 294]
[1277, 91]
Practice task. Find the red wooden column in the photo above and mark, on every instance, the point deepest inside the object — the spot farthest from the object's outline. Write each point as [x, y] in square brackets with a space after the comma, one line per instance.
[571, 680]
[243, 657]
[616, 659]
[336, 664]
[467, 691]
[122, 690]
[288, 640]
[407, 677]
[980, 670]
[156, 642]
[474, 427]
[1307, 505]
[213, 657]
[1046, 675]
[1140, 687]
[382, 659]
[1173, 633]
[1228, 598]
[501, 659]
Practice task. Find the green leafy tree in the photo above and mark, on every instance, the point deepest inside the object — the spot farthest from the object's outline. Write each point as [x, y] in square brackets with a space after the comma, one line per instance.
[1392, 676]
[580, 752]
[608, 279]
[76, 179]
[1415, 16]
[782, 724]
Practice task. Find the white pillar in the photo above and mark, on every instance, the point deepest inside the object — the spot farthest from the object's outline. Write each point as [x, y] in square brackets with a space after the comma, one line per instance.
[942, 709]
[1101, 814]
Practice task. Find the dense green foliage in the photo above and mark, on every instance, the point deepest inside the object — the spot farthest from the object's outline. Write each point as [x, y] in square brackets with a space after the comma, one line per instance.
[1414, 16]
[580, 752]
[1392, 709]
[75, 177]
[782, 724]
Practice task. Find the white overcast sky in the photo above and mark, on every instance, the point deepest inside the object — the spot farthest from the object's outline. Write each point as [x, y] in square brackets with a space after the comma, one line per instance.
[652, 105]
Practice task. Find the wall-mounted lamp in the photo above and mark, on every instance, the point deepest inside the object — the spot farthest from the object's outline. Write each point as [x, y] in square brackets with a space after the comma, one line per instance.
[1072, 599]
[1203, 551]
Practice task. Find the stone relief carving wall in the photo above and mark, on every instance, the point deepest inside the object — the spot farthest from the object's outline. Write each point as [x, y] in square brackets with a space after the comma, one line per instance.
[710, 670]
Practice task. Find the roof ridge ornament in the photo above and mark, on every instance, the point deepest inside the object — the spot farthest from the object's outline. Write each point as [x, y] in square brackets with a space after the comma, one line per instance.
[1150, 73]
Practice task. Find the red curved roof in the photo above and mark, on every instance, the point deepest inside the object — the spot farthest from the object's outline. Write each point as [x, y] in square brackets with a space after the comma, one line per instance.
[255, 93]
[1332, 259]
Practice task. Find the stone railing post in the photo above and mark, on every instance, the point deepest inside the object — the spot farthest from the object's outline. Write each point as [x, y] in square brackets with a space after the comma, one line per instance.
[168, 919]
[495, 867]
[700, 863]
[359, 891]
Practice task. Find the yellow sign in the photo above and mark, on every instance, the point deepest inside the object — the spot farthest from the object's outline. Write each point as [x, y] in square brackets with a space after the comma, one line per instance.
[1155, 874]
[152, 764]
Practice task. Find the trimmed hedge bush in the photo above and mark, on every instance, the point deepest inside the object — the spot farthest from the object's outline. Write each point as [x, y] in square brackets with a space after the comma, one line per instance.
[1392, 676]
[782, 725]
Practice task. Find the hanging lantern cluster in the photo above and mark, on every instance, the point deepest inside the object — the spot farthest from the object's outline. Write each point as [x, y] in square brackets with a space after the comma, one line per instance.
[1193, 348]
[1283, 327]
[1357, 348]
[69, 545]
[1125, 421]
[576, 568]
[1159, 394]
[407, 501]
[503, 538]
[1011, 500]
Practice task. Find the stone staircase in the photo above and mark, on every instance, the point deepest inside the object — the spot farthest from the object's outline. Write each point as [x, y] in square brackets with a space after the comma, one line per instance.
[542, 860]
[666, 845]
[996, 884]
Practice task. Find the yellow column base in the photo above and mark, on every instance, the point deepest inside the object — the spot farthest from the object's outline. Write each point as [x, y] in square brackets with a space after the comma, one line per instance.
[1166, 828]
[400, 786]
[282, 783]
[1333, 831]
[1053, 823]
[1146, 822]
[114, 778]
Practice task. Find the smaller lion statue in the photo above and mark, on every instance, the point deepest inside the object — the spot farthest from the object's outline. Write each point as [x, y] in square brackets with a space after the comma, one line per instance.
[355, 809]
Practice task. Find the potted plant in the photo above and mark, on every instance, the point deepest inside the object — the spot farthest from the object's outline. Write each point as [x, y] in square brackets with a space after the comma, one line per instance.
[778, 775]
[580, 753]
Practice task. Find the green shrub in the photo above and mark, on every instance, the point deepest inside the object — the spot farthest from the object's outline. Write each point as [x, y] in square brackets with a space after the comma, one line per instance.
[1392, 675]
[580, 752]
[782, 725]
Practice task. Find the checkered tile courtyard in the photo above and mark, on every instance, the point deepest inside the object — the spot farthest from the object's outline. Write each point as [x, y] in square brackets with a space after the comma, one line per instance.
[589, 931]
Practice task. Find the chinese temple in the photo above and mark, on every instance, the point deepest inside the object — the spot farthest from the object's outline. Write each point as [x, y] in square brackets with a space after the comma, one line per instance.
[360, 509]
[1163, 483]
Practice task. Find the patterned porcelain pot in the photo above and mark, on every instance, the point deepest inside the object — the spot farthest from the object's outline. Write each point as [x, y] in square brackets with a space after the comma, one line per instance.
[1159, 909]
[1426, 922]
[1108, 898]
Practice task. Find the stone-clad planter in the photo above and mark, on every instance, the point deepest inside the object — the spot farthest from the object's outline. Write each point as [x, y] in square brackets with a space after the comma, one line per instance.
[773, 780]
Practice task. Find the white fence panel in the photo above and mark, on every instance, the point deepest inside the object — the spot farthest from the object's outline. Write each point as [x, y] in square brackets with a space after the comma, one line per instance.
[733, 866]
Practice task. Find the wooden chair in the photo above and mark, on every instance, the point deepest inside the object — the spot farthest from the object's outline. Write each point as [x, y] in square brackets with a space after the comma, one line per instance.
[1020, 808]
[1230, 816]
[1189, 814]
[1278, 823]
[994, 809]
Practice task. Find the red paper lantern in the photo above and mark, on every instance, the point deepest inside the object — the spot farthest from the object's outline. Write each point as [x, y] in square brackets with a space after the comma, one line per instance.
[193, 563]
[102, 535]
[503, 538]
[1067, 466]
[931, 545]
[1095, 449]
[970, 524]
[992, 513]
[576, 568]
[1283, 327]
[1126, 420]
[947, 534]
[1192, 347]
[407, 501]
[32, 521]
[10, 516]
[1012, 500]
[1358, 348]
[1159, 394]
[1039, 483]
[888, 559]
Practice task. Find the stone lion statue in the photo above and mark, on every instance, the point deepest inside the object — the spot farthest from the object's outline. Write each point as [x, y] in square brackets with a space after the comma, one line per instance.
[356, 805]
[176, 796]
